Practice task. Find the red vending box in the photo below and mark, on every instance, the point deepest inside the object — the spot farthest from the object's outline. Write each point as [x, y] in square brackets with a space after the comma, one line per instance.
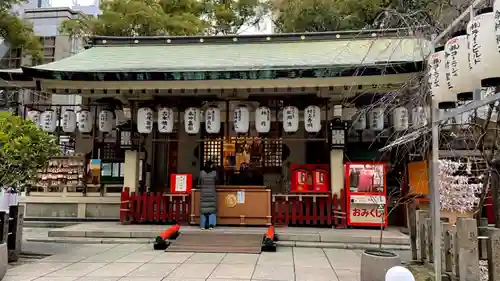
[301, 178]
[321, 179]
[366, 194]
[181, 183]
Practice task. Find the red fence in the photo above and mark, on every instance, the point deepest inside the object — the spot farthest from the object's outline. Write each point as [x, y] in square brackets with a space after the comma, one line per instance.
[154, 207]
[309, 210]
[286, 209]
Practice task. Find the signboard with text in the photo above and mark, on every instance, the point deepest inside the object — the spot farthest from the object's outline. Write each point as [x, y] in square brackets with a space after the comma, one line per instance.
[366, 194]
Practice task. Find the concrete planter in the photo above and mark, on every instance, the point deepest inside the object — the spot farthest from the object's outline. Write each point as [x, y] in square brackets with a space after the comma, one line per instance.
[4, 256]
[375, 263]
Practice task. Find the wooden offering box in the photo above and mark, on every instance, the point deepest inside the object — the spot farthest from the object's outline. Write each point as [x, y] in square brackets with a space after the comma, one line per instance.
[237, 205]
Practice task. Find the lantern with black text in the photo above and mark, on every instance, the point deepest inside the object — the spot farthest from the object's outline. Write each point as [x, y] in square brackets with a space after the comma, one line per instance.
[34, 116]
[437, 79]
[418, 117]
[241, 119]
[400, 118]
[312, 119]
[320, 179]
[359, 120]
[376, 119]
[165, 120]
[106, 121]
[483, 49]
[263, 120]
[192, 121]
[212, 120]
[290, 119]
[145, 120]
[49, 121]
[68, 121]
[458, 72]
[85, 121]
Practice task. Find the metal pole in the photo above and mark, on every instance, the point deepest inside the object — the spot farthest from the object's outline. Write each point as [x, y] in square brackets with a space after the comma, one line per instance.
[434, 191]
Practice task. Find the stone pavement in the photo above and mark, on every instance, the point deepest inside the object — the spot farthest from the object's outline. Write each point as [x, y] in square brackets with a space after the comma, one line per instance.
[138, 262]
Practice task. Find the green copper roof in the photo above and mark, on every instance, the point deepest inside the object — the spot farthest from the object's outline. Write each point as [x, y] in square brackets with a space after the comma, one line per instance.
[242, 56]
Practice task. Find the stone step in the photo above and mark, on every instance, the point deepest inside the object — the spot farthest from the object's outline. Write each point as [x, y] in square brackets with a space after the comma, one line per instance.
[299, 244]
[331, 236]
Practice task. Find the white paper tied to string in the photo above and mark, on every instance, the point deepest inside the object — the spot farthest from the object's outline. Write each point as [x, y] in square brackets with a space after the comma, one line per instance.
[456, 193]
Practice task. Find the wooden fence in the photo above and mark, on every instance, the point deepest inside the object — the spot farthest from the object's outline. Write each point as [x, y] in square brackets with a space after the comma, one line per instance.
[286, 209]
[154, 207]
[464, 247]
[308, 210]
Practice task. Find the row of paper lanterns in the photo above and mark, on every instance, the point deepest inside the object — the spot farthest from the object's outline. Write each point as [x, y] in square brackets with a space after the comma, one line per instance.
[83, 120]
[468, 61]
[375, 119]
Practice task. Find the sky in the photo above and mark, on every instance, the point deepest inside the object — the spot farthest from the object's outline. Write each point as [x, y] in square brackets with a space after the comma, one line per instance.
[69, 3]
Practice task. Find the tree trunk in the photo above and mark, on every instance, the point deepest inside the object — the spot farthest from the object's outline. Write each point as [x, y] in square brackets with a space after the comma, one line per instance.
[495, 190]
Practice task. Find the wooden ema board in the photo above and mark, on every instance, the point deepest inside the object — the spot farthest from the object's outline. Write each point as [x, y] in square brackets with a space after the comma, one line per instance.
[212, 241]
[418, 178]
[237, 205]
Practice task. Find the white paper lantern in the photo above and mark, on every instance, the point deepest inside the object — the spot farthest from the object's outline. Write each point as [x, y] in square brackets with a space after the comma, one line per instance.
[144, 120]
[121, 118]
[212, 120]
[165, 120]
[85, 121]
[241, 119]
[68, 121]
[312, 119]
[263, 120]
[437, 79]
[106, 121]
[483, 51]
[34, 116]
[458, 73]
[290, 119]
[359, 120]
[419, 116]
[348, 113]
[400, 118]
[192, 121]
[376, 119]
[49, 121]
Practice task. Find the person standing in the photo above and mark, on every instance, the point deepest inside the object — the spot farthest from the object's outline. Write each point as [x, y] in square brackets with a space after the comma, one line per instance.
[208, 196]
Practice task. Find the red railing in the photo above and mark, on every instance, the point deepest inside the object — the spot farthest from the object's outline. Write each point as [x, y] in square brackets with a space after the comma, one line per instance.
[309, 210]
[287, 209]
[154, 207]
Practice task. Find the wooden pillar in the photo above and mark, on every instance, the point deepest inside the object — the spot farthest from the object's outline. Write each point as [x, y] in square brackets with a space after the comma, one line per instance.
[468, 254]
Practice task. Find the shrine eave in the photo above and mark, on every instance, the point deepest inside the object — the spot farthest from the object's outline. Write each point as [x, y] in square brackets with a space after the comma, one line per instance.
[289, 73]
[14, 75]
[324, 58]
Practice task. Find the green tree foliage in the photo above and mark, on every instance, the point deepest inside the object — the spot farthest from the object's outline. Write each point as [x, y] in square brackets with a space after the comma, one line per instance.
[24, 149]
[230, 16]
[17, 32]
[165, 17]
[332, 15]
[139, 18]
